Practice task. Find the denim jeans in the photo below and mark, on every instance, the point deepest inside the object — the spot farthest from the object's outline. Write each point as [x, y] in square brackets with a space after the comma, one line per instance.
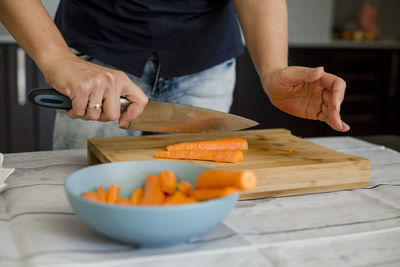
[211, 88]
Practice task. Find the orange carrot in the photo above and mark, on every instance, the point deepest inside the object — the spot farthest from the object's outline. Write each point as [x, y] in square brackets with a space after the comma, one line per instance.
[179, 198]
[122, 201]
[137, 196]
[168, 182]
[191, 200]
[206, 194]
[112, 194]
[101, 194]
[230, 143]
[185, 187]
[168, 197]
[242, 180]
[90, 195]
[153, 195]
[229, 156]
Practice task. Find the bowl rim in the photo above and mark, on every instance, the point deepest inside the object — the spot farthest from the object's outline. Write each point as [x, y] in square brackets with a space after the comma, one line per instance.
[199, 204]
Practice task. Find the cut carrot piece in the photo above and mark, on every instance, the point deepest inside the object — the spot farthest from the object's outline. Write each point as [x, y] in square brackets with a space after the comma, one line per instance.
[242, 180]
[230, 143]
[153, 195]
[191, 200]
[228, 156]
[159, 190]
[179, 198]
[176, 198]
[206, 194]
[101, 194]
[168, 182]
[168, 197]
[122, 201]
[90, 195]
[112, 194]
[137, 196]
[185, 187]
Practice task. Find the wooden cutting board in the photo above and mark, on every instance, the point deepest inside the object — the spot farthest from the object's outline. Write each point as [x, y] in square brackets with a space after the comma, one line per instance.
[313, 168]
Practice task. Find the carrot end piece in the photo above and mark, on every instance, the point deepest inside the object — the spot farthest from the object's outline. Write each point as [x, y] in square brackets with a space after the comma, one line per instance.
[90, 196]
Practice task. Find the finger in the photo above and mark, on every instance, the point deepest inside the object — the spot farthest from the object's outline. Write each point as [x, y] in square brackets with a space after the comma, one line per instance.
[326, 96]
[327, 116]
[336, 86]
[95, 98]
[345, 127]
[332, 118]
[78, 107]
[338, 125]
[138, 101]
[292, 76]
[336, 101]
[111, 108]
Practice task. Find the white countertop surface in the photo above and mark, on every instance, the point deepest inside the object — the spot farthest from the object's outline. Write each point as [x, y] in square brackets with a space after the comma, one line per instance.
[358, 227]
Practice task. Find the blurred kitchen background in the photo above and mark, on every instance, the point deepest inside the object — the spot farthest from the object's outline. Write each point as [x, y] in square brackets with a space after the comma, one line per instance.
[356, 39]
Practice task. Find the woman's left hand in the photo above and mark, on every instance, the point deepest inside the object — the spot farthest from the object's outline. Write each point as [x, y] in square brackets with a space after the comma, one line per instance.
[308, 93]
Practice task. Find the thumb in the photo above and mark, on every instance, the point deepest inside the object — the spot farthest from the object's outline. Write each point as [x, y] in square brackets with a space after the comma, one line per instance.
[292, 76]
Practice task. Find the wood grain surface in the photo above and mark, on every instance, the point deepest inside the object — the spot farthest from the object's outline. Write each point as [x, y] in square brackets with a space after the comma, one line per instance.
[313, 168]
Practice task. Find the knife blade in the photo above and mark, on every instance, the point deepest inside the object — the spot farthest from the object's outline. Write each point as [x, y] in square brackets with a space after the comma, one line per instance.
[157, 116]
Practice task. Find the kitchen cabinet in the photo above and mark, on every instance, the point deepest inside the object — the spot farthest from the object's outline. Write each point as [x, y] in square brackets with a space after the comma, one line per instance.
[371, 104]
[24, 127]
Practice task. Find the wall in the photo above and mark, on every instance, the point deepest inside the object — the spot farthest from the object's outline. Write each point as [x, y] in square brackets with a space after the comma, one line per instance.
[50, 5]
[310, 21]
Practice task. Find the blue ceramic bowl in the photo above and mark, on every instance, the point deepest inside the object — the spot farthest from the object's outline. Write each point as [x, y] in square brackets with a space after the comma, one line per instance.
[148, 226]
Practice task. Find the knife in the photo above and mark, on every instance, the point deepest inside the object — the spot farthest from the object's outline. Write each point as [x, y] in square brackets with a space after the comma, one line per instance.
[158, 116]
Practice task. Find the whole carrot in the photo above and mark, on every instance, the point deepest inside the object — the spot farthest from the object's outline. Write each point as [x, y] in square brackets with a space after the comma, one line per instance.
[206, 194]
[112, 194]
[242, 180]
[227, 156]
[90, 195]
[168, 181]
[101, 194]
[137, 196]
[185, 187]
[230, 143]
[153, 195]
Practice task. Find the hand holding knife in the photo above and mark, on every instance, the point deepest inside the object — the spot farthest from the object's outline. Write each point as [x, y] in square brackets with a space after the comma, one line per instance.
[157, 116]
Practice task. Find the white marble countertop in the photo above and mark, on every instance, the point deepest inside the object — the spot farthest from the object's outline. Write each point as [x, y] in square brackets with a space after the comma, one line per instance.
[358, 227]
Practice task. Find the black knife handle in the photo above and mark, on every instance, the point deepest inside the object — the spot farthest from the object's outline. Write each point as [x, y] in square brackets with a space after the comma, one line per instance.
[50, 98]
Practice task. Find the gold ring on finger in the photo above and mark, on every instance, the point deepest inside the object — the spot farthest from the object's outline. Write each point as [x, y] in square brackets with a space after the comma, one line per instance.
[94, 106]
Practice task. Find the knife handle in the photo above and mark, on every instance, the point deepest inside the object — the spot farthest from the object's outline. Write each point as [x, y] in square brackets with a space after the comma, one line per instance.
[50, 98]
